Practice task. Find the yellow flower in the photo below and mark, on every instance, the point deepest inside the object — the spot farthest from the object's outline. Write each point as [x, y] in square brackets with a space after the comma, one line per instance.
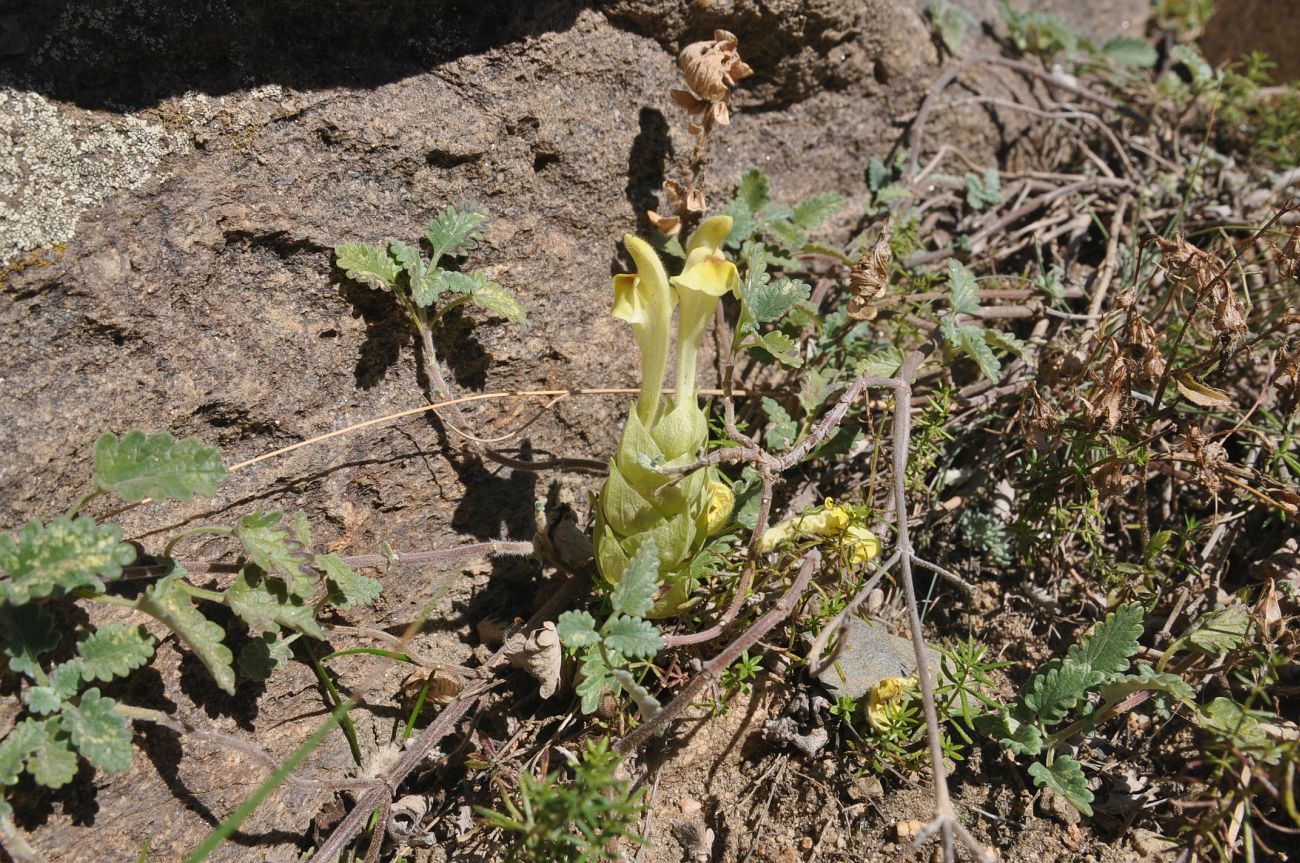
[883, 698]
[833, 521]
[721, 501]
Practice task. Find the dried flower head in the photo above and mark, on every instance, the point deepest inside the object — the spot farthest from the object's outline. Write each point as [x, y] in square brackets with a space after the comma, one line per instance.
[1113, 385]
[711, 68]
[683, 206]
[869, 278]
[1209, 455]
[1143, 345]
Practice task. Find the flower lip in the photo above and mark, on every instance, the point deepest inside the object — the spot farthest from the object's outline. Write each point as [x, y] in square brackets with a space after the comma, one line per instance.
[628, 303]
[713, 276]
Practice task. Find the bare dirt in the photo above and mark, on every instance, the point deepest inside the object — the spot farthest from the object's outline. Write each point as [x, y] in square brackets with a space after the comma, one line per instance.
[200, 298]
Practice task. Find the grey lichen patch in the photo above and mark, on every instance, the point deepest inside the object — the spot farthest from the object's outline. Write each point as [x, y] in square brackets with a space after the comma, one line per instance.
[57, 162]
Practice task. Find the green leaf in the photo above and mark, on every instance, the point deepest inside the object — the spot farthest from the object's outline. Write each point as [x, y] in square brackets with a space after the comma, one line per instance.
[951, 23]
[491, 297]
[1005, 341]
[21, 741]
[1147, 679]
[787, 234]
[1057, 687]
[1108, 647]
[156, 466]
[971, 342]
[1020, 737]
[576, 629]
[264, 655]
[883, 363]
[1220, 630]
[781, 430]
[1065, 777]
[1233, 723]
[1130, 51]
[368, 265]
[878, 175]
[114, 650]
[266, 603]
[781, 347]
[635, 593]
[983, 191]
[754, 190]
[64, 682]
[98, 733]
[52, 763]
[420, 277]
[169, 602]
[347, 587]
[60, 558]
[633, 637]
[769, 301]
[25, 633]
[455, 232]
[274, 549]
[596, 681]
[743, 223]
[812, 212]
[963, 291]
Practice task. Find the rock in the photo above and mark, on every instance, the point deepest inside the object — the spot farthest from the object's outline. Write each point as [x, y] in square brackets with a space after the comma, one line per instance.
[871, 654]
[1270, 26]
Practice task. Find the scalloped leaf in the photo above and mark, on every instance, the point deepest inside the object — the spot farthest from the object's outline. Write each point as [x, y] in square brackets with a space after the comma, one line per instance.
[963, 291]
[52, 763]
[787, 234]
[780, 346]
[1107, 648]
[767, 300]
[156, 466]
[21, 741]
[812, 212]
[782, 429]
[64, 681]
[170, 603]
[114, 650]
[25, 633]
[369, 265]
[596, 681]
[1147, 679]
[1022, 738]
[347, 587]
[743, 223]
[491, 297]
[61, 557]
[983, 191]
[274, 549]
[420, 277]
[754, 190]
[266, 603]
[454, 232]
[577, 629]
[1223, 629]
[635, 592]
[1065, 777]
[99, 734]
[633, 637]
[1058, 687]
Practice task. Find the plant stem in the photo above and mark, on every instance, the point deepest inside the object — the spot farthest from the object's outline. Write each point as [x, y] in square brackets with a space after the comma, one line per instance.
[76, 507]
[194, 531]
[349, 730]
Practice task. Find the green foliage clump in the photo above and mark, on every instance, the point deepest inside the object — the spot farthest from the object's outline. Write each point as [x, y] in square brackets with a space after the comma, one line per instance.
[49, 566]
[580, 821]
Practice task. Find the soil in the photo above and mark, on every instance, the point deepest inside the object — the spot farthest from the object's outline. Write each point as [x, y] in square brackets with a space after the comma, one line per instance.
[197, 295]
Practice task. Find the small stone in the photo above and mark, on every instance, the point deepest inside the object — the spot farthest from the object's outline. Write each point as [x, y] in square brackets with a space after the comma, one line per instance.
[865, 788]
[870, 655]
[906, 831]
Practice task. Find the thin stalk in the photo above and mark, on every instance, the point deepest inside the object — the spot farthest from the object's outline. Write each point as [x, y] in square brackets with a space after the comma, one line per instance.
[322, 674]
[85, 499]
[213, 530]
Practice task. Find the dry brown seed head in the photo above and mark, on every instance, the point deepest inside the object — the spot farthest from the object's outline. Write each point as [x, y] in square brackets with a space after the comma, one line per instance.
[1113, 384]
[1209, 455]
[711, 68]
[869, 278]
[1143, 344]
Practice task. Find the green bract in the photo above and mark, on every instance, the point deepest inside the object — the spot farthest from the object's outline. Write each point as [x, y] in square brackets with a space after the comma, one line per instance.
[644, 499]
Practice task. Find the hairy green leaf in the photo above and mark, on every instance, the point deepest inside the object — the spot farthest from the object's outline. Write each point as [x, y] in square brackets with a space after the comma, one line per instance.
[368, 265]
[576, 629]
[114, 650]
[1149, 680]
[963, 291]
[264, 655]
[455, 232]
[61, 557]
[781, 430]
[754, 190]
[883, 363]
[274, 549]
[156, 466]
[64, 681]
[347, 587]
[743, 223]
[983, 191]
[491, 297]
[420, 277]
[1065, 777]
[969, 339]
[635, 593]
[25, 633]
[21, 741]
[170, 603]
[1107, 648]
[266, 603]
[633, 637]
[52, 763]
[810, 213]
[769, 301]
[1021, 737]
[878, 174]
[1233, 723]
[1005, 341]
[1057, 687]
[1223, 629]
[781, 347]
[596, 681]
[98, 733]
[951, 23]
[1131, 51]
[788, 234]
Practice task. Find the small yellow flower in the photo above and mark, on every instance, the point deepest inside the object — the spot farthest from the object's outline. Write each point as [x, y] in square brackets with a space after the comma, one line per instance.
[833, 521]
[884, 697]
[721, 501]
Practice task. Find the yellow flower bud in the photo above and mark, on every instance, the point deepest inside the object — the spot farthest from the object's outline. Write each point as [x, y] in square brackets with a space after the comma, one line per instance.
[884, 696]
[721, 502]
